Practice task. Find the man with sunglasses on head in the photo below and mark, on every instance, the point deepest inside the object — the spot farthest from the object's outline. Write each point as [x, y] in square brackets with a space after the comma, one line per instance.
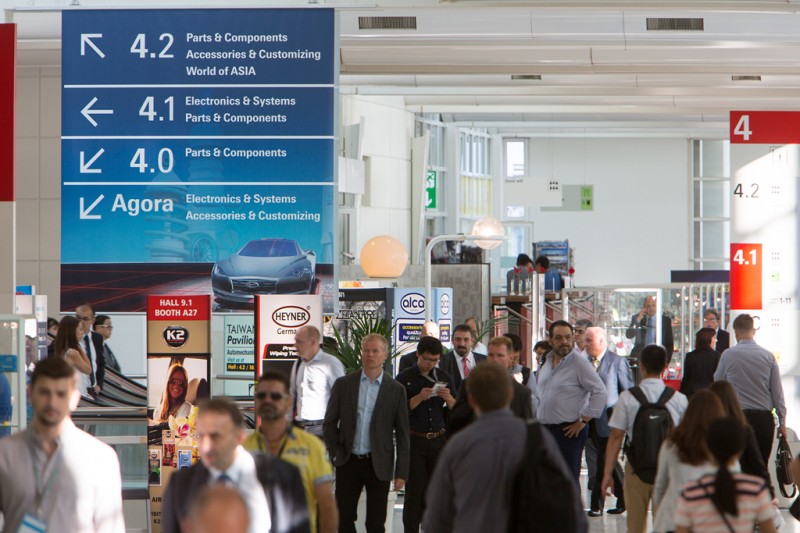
[429, 392]
[278, 438]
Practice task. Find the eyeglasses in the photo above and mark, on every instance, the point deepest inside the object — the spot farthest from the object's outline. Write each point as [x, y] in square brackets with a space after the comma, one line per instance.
[109, 326]
[83, 318]
[274, 396]
[431, 361]
[176, 381]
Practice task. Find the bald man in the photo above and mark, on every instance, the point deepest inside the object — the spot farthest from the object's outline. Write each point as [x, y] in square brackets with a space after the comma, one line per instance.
[616, 375]
[643, 329]
[311, 380]
[218, 509]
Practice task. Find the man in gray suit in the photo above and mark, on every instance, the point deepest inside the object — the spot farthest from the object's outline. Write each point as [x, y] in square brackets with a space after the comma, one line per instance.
[365, 411]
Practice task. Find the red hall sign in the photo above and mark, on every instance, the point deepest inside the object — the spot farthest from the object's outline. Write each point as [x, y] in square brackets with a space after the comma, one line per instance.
[765, 127]
[8, 76]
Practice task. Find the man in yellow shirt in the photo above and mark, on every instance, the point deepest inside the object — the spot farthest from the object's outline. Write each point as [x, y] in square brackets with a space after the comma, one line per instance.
[278, 438]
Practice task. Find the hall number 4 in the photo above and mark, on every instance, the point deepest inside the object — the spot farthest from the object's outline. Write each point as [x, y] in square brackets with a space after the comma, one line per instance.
[743, 127]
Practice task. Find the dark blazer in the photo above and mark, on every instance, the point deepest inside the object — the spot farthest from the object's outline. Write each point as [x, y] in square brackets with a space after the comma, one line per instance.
[723, 340]
[616, 375]
[282, 484]
[461, 415]
[406, 361]
[389, 422]
[449, 363]
[698, 371]
[638, 331]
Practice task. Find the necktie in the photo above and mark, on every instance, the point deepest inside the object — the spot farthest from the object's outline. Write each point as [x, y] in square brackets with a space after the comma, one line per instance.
[466, 368]
[224, 480]
[88, 344]
[595, 362]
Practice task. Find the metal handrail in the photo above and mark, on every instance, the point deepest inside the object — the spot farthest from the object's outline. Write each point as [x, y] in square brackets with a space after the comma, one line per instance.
[514, 313]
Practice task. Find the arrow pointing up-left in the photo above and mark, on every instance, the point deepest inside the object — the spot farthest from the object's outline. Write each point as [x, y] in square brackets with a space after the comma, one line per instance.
[86, 38]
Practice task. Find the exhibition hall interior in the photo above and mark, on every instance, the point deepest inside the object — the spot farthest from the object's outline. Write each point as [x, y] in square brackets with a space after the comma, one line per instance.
[203, 180]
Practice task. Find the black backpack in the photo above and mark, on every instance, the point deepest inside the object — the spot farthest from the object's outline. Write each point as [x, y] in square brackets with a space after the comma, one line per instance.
[650, 427]
[545, 497]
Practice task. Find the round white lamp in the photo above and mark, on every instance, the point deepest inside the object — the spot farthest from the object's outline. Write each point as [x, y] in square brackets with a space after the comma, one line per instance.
[384, 257]
[488, 227]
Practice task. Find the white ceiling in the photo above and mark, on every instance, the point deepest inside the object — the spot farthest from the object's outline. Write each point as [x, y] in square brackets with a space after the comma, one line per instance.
[602, 72]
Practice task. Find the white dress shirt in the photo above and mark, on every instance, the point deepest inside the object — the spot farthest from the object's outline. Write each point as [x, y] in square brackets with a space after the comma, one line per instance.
[242, 474]
[311, 384]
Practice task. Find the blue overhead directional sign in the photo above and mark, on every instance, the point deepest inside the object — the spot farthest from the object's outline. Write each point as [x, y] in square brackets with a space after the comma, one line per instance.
[186, 135]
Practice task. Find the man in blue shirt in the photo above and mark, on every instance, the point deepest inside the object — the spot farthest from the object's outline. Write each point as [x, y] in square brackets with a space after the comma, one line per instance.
[552, 279]
[366, 414]
[569, 394]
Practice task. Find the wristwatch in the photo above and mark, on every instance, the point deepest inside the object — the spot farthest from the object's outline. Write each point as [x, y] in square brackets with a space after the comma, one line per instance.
[585, 422]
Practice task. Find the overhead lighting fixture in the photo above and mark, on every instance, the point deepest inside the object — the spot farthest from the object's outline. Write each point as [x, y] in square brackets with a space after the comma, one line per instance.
[387, 23]
[745, 78]
[674, 24]
[533, 77]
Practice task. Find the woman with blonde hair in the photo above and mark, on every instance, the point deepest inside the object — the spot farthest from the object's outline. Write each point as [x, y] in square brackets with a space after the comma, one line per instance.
[173, 400]
[68, 346]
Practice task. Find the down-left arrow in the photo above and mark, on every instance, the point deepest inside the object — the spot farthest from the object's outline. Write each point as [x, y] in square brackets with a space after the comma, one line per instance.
[86, 166]
[85, 211]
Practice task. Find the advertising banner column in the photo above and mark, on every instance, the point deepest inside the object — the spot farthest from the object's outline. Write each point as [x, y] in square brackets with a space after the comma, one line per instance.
[765, 169]
[178, 367]
[8, 77]
[277, 320]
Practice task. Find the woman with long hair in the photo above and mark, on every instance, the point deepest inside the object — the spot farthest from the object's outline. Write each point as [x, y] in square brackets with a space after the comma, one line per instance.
[725, 500]
[683, 457]
[173, 400]
[68, 346]
[701, 363]
[750, 461]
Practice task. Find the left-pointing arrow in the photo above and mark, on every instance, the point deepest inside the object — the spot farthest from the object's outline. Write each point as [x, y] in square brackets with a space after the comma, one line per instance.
[86, 166]
[88, 111]
[85, 211]
[86, 38]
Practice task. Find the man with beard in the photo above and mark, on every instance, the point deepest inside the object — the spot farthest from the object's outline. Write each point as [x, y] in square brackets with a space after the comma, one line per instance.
[277, 437]
[569, 394]
[461, 360]
[53, 476]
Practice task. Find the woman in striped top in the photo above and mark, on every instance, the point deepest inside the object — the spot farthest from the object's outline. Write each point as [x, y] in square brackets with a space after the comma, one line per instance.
[725, 502]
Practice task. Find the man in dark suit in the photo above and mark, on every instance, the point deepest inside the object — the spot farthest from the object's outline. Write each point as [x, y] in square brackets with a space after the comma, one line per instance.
[643, 329]
[462, 413]
[92, 344]
[711, 320]
[458, 362]
[366, 413]
[271, 488]
[615, 374]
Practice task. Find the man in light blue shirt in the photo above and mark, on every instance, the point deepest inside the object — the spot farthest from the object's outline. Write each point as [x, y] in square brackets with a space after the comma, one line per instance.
[754, 374]
[366, 415]
[569, 394]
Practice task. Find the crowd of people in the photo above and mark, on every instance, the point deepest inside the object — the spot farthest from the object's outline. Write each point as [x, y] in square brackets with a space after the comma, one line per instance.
[478, 441]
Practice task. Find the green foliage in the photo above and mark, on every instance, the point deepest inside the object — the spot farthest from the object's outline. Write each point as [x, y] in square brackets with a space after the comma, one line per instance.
[486, 327]
[348, 348]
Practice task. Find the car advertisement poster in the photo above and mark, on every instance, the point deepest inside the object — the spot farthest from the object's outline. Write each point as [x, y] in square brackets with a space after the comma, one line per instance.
[198, 155]
[277, 320]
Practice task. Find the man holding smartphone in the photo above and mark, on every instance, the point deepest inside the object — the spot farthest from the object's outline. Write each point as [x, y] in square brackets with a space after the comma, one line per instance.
[429, 394]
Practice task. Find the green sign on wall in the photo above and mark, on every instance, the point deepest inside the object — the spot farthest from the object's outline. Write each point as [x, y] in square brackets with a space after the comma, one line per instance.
[587, 197]
[430, 190]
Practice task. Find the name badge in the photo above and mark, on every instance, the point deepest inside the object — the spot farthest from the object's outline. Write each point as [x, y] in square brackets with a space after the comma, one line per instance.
[31, 524]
